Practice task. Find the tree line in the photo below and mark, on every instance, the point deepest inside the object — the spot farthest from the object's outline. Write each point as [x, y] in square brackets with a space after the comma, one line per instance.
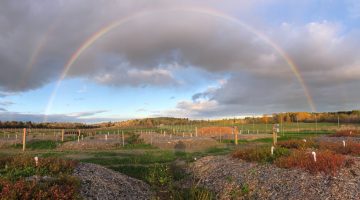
[47, 125]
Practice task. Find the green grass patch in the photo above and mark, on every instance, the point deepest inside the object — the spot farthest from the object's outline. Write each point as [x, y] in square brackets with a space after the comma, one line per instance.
[109, 158]
[38, 144]
[139, 146]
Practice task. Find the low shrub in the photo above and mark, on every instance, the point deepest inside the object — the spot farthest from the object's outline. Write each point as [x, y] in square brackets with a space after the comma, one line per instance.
[260, 154]
[21, 166]
[297, 144]
[326, 161]
[350, 148]
[22, 179]
[66, 187]
[346, 133]
[159, 175]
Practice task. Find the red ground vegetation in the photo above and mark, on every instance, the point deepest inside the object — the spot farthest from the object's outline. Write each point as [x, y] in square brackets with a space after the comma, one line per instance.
[297, 144]
[350, 148]
[346, 133]
[327, 161]
[216, 130]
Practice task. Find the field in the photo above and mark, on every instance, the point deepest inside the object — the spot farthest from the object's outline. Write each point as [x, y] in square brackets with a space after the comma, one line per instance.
[168, 158]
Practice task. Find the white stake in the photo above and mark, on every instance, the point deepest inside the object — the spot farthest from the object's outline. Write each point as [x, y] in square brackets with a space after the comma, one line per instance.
[314, 155]
[106, 137]
[36, 161]
[344, 144]
[304, 140]
[272, 150]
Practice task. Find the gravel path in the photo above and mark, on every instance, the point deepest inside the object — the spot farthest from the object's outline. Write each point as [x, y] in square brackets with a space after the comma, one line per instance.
[236, 179]
[98, 182]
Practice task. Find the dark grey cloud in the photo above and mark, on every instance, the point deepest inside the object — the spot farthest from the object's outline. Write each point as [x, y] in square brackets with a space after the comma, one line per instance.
[3, 109]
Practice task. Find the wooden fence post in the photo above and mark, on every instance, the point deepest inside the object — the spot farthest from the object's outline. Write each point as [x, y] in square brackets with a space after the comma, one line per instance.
[62, 135]
[123, 138]
[236, 136]
[24, 139]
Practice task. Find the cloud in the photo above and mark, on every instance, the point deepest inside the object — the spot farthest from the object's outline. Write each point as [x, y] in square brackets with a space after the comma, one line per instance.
[86, 113]
[6, 103]
[328, 63]
[159, 48]
[84, 117]
[3, 110]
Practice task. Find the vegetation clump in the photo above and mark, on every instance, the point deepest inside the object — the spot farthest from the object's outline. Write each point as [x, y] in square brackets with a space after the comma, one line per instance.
[347, 148]
[297, 144]
[50, 178]
[326, 161]
[261, 154]
[346, 133]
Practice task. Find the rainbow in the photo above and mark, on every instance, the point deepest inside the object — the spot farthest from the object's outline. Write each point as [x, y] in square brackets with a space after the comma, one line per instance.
[209, 12]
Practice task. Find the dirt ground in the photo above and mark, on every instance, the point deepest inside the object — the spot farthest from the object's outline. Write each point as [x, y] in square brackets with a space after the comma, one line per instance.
[180, 143]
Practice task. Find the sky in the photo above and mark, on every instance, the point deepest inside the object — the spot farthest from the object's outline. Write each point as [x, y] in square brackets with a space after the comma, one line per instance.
[100, 60]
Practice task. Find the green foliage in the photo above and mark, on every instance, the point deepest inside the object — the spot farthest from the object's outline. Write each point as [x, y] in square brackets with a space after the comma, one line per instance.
[195, 193]
[159, 175]
[43, 144]
[245, 189]
[139, 146]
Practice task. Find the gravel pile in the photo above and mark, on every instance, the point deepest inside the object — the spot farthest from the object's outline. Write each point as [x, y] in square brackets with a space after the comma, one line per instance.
[98, 182]
[236, 179]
